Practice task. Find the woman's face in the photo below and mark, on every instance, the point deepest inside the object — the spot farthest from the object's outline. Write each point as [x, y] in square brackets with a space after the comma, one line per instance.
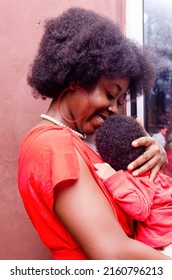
[105, 99]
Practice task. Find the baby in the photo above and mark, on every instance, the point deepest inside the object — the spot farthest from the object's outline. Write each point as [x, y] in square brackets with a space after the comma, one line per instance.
[149, 203]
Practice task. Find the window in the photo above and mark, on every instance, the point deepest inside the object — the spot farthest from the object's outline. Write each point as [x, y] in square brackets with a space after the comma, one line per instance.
[158, 34]
[158, 103]
[150, 22]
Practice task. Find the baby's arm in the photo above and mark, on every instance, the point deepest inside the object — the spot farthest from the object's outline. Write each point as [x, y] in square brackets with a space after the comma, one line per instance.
[133, 197]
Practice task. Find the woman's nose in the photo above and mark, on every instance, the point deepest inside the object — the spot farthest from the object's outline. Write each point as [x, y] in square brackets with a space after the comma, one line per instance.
[113, 108]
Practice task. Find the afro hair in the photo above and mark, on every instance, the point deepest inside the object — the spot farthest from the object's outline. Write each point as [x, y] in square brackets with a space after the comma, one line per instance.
[82, 46]
[114, 138]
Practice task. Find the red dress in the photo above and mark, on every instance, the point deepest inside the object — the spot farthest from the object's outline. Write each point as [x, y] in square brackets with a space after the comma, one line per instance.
[47, 157]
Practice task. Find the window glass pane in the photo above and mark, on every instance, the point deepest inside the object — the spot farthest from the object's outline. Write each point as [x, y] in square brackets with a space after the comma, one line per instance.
[158, 103]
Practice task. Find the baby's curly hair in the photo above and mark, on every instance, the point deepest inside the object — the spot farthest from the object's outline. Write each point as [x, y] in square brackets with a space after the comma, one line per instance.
[82, 46]
[114, 138]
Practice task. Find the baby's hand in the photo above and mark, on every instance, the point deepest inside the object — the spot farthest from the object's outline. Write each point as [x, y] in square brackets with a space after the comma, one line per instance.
[104, 170]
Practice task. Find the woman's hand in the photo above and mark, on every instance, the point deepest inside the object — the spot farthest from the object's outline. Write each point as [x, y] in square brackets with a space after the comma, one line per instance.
[104, 170]
[153, 159]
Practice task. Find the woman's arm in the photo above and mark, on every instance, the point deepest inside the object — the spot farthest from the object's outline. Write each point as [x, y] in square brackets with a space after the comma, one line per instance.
[86, 213]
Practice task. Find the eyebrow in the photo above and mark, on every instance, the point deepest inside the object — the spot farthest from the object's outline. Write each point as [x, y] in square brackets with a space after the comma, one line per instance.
[118, 86]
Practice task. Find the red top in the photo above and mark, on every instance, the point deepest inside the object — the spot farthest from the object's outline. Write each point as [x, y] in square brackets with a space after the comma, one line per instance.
[149, 203]
[168, 169]
[47, 157]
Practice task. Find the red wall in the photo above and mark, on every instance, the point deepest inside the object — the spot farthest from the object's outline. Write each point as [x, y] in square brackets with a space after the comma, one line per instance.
[20, 32]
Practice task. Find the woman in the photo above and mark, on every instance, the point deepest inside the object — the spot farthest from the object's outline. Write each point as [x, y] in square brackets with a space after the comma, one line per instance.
[86, 65]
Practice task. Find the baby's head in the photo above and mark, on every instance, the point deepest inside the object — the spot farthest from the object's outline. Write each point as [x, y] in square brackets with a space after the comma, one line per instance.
[114, 138]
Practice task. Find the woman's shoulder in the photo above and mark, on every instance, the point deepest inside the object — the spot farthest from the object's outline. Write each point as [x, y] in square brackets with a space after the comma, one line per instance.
[47, 152]
[44, 131]
[57, 142]
[41, 141]
[47, 135]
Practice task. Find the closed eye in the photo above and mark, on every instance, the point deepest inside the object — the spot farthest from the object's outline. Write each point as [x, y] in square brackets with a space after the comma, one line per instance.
[109, 96]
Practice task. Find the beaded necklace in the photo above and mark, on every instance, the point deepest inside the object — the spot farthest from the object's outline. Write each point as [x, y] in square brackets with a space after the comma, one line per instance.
[48, 118]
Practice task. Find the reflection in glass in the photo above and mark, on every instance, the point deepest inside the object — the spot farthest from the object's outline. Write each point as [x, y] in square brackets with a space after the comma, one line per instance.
[158, 103]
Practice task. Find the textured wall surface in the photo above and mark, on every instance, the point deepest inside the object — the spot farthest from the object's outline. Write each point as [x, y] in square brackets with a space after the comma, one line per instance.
[20, 31]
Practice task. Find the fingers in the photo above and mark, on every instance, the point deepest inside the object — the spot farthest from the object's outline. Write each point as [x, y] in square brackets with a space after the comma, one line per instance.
[154, 172]
[150, 166]
[101, 170]
[104, 170]
[163, 168]
[149, 158]
[101, 166]
[147, 163]
[152, 160]
[143, 141]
